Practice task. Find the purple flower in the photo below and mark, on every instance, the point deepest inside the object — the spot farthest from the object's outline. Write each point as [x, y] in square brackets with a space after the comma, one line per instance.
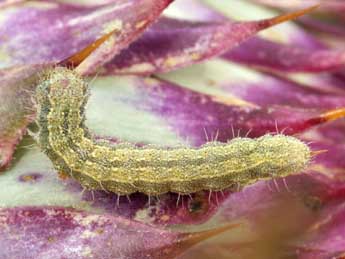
[165, 73]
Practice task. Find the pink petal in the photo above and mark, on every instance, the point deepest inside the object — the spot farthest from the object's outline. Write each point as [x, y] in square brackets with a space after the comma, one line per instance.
[325, 5]
[332, 83]
[305, 52]
[191, 113]
[6, 3]
[326, 238]
[287, 32]
[41, 232]
[153, 53]
[192, 42]
[16, 94]
[332, 26]
[282, 57]
[258, 88]
[71, 28]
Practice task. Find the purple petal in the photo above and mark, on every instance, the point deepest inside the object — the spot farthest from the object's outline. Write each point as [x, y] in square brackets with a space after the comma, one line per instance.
[332, 83]
[61, 30]
[171, 44]
[257, 89]
[195, 116]
[288, 32]
[301, 53]
[16, 93]
[329, 5]
[180, 9]
[330, 133]
[66, 233]
[332, 26]
[6, 3]
[282, 57]
[326, 237]
[294, 51]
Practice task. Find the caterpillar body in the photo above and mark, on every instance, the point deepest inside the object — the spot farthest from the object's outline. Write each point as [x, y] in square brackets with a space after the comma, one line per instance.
[61, 97]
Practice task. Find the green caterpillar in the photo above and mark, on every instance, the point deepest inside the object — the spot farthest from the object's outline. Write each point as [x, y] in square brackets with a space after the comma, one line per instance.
[61, 98]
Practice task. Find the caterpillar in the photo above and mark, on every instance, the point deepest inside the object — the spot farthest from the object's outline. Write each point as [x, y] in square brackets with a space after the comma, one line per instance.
[61, 97]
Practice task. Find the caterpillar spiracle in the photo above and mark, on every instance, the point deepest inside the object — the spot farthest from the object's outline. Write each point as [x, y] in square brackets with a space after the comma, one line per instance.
[61, 96]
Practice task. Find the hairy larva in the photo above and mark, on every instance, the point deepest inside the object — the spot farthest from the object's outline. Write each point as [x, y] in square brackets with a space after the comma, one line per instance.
[61, 97]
